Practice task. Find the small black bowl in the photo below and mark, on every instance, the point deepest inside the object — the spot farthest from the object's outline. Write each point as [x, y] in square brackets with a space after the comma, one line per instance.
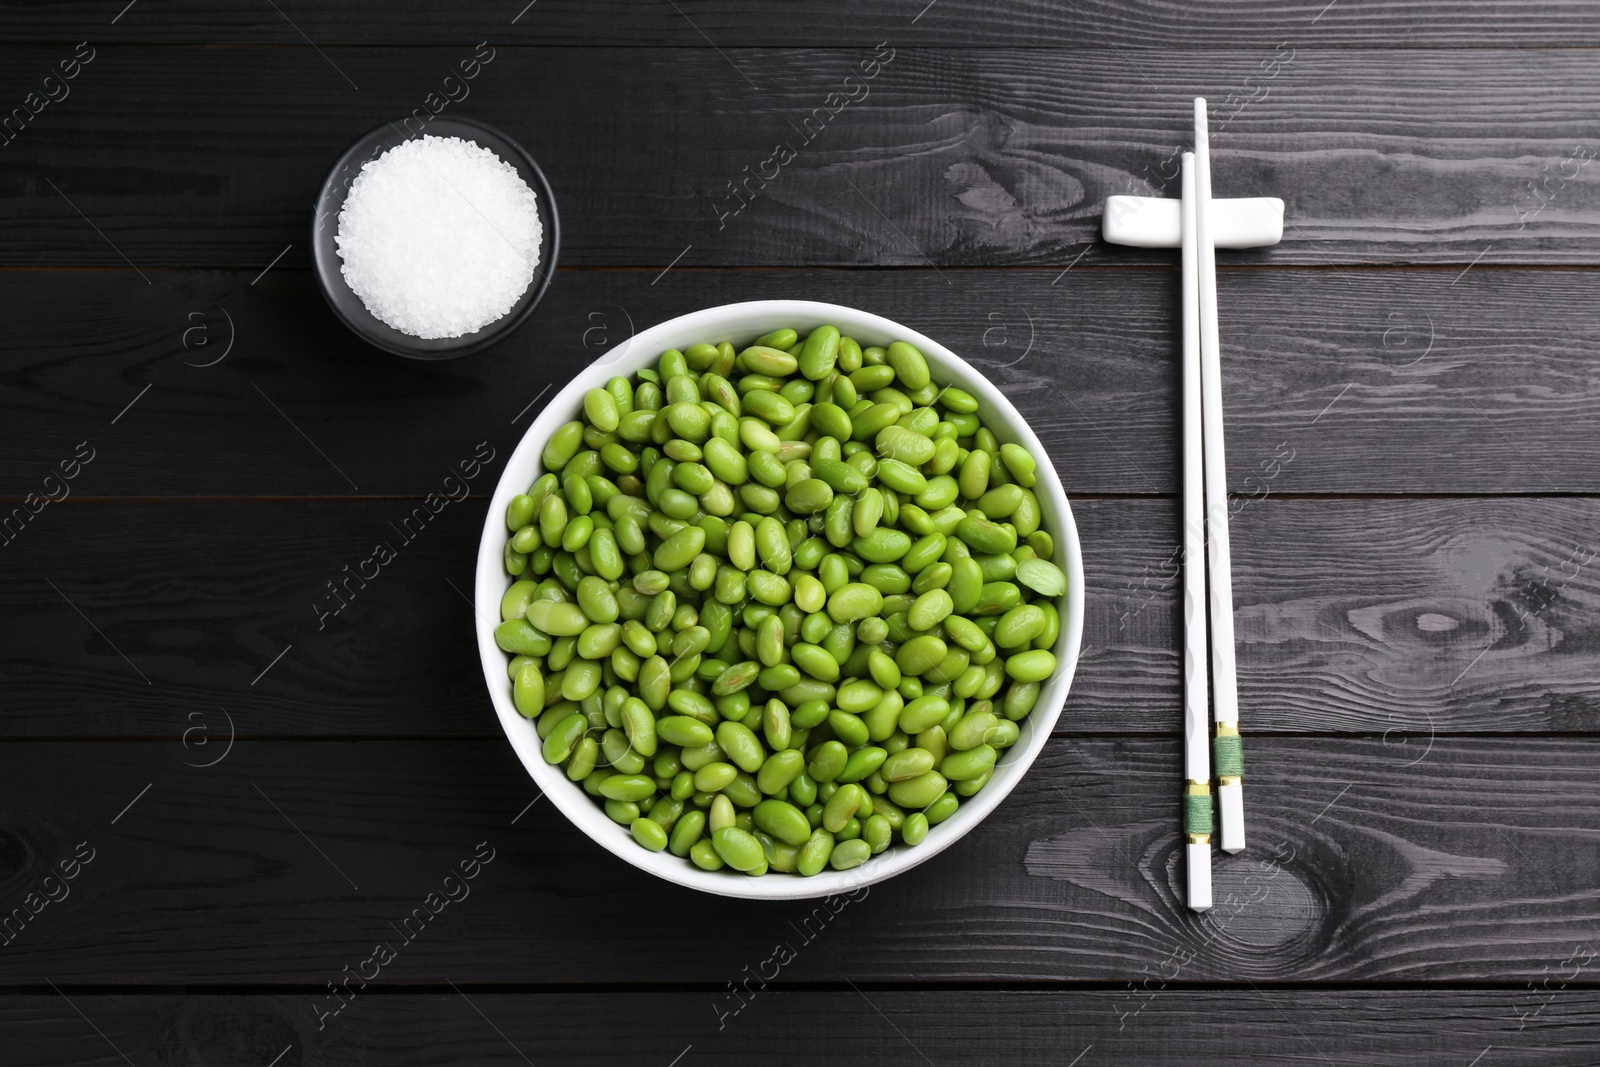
[325, 254]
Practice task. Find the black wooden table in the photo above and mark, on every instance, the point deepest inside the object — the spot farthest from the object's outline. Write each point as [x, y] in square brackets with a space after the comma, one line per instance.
[216, 805]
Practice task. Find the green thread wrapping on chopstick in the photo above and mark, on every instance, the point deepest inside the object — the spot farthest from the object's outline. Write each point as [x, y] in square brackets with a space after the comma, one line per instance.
[1197, 813]
[1227, 752]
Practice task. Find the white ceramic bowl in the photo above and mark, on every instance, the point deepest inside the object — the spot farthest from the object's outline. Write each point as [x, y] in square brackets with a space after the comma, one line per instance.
[742, 323]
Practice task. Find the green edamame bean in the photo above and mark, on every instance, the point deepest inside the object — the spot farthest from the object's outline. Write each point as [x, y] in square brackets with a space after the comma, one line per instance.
[918, 792]
[738, 849]
[764, 360]
[772, 545]
[691, 824]
[923, 712]
[528, 691]
[596, 600]
[552, 520]
[831, 420]
[803, 790]
[827, 761]
[704, 855]
[557, 618]
[901, 477]
[940, 492]
[1043, 577]
[842, 807]
[676, 552]
[942, 809]
[915, 830]
[815, 661]
[619, 754]
[929, 610]
[996, 598]
[743, 791]
[848, 854]
[909, 365]
[514, 605]
[648, 833]
[872, 631]
[820, 353]
[783, 821]
[683, 730]
[877, 833]
[639, 725]
[714, 777]
[862, 763]
[921, 654]
[969, 764]
[780, 770]
[1034, 665]
[884, 669]
[621, 811]
[853, 601]
[815, 853]
[1019, 463]
[1004, 734]
[966, 584]
[771, 407]
[782, 339]
[882, 545]
[520, 512]
[634, 787]
[741, 745]
[1019, 626]
[778, 679]
[721, 813]
[559, 744]
[562, 446]
[997, 568]
[808, 496]
[1019, 699]
[908, 763]
[849, 729]
[986, 537]
[967, 787]
[629, 534]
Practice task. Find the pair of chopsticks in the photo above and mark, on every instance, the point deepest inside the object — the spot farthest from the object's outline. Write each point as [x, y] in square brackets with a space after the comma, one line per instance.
[1207, 568]
[1200, 227]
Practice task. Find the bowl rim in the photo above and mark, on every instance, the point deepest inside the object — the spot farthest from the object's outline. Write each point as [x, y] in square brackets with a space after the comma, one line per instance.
[740, 322]
[325, 254]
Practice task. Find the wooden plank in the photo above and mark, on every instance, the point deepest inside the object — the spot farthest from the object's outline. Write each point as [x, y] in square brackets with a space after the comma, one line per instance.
[290, 860]
[1163, 1025]
[1136, 26]
[1397, 619]
[1362, 382]
[212, 156]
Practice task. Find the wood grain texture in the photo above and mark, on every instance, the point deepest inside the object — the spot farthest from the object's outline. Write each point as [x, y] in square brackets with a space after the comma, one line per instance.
[290, 860]
[1350, 382]
[1402, 620]
[1135, 26]
[1162, 1026]
[211, 156]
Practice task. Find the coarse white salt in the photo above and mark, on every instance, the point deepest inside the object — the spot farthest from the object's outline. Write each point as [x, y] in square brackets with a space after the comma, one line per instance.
[439, 237]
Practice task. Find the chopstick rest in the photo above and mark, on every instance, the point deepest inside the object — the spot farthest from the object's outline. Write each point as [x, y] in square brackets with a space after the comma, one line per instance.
[1152, 222]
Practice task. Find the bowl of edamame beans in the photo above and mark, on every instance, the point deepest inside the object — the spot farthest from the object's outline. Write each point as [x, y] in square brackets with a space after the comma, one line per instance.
[779, 599]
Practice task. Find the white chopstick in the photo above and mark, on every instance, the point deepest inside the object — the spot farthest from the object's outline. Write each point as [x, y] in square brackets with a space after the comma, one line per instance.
[1224, 675]
[1196, 709]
